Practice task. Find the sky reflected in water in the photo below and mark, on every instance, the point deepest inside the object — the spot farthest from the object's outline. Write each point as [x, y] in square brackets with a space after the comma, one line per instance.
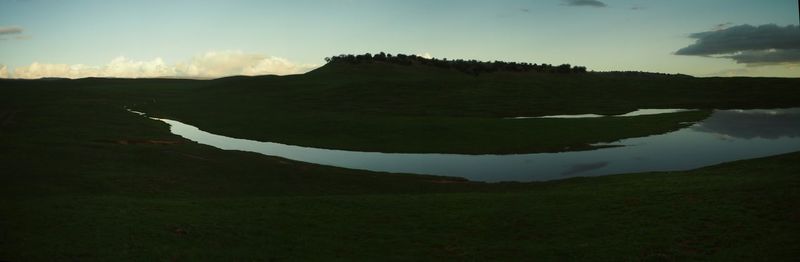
[727, 135]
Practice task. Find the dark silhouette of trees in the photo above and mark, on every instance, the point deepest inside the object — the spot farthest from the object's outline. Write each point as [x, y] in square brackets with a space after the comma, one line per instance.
[473, 67]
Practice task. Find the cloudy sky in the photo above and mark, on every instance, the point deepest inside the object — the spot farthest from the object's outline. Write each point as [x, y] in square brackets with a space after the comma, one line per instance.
[213, 38]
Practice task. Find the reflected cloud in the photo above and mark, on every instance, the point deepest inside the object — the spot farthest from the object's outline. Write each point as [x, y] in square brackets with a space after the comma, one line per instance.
[638, 112]
[749, 124]
[580, 168]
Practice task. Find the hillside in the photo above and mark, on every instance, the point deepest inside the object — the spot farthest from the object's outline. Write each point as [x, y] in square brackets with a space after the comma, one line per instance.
[83, 179]
[384, 106]
[391, 107]
[376, 86]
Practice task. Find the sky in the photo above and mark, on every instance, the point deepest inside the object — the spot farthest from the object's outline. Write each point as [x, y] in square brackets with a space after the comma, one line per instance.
[210, 38]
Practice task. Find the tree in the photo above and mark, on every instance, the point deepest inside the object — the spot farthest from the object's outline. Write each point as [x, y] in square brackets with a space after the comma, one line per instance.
[472, 66]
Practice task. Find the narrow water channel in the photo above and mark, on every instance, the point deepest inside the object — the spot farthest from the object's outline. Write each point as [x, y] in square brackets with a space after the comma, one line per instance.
[727, 135]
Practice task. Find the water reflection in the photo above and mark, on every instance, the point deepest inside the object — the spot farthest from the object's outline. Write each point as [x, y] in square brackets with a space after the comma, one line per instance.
[640, 112]
[581, 168]
[750, 134]
[749, 124]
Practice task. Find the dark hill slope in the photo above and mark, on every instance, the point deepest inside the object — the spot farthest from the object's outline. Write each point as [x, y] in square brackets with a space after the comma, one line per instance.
[391, 107]
[422, 90]
[380, 106]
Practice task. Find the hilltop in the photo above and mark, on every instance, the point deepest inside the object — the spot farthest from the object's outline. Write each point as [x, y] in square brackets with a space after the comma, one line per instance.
[473, 67]
[410, 85]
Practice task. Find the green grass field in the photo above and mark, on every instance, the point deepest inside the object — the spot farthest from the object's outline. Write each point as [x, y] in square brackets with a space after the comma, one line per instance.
[83, 179]
[731, 212]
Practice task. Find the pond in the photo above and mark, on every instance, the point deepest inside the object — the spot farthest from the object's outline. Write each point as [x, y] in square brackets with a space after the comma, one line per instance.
[727, 135]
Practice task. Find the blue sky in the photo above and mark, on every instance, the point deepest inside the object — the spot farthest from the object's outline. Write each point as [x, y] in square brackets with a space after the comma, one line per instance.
[623, 35]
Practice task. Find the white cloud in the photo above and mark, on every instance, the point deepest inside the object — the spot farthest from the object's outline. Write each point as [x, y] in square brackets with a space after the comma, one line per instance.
[426, 55]
[228, 63]
[3, 71]
[733, 72]
[786, 70]
[38, 70]
[208, 65]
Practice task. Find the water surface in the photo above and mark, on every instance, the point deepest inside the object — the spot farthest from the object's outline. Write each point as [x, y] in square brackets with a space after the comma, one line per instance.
[727, 135]
[640, 112]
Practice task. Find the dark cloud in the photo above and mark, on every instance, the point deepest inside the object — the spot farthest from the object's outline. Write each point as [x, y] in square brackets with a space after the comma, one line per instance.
[743, 38]
[722, 26]
[753, 45]
[593, 3]
[10, 30]
[766, 57]
[514, 13]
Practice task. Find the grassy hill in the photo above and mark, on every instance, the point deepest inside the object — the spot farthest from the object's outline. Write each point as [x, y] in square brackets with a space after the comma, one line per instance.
[379, 106]
[82, 179]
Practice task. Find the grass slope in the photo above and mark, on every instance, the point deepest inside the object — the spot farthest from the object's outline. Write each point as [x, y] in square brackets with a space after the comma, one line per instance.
[396, 108]
[82, 179]
[730, 212]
